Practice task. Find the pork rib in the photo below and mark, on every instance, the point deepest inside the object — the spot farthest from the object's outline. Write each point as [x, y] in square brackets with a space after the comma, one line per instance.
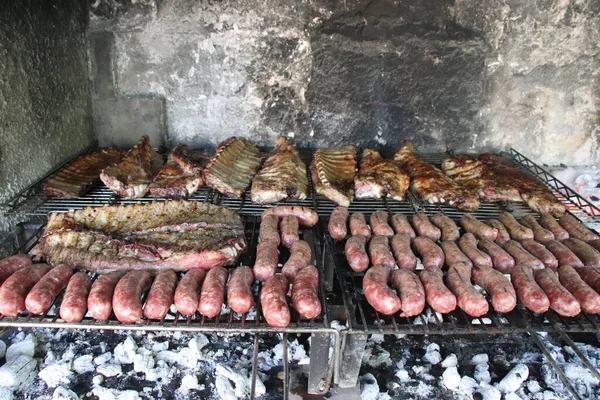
[378, 177]
[333, 172]
[182, 174]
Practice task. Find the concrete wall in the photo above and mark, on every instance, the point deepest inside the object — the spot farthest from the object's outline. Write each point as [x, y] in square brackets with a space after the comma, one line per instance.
[45, 113]
[444, 74]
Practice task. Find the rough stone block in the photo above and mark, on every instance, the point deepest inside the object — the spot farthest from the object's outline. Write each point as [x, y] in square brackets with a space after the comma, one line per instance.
[101, 52]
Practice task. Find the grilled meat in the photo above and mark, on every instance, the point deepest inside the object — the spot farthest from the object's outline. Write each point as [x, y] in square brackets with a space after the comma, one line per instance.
[78, 177]
[182, 174]
[431, 184]
[282, 176]
[333, 172]
[233, 166]
[378, 177]
[176, 234]
[132, 176]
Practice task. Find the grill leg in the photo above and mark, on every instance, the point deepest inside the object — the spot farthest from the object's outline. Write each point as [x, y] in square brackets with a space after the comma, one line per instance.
[319, 363]
[353, 347]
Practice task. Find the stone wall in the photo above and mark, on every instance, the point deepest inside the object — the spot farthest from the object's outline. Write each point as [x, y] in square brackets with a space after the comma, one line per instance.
[465, 75]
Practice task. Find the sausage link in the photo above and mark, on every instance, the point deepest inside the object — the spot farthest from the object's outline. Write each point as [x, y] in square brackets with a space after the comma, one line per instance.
[514, 228]
[478, 228]
[305, 215]
[458, 280]
[356, 253]
[521, 255]
[187, 292]
[585, 295]
[42, 295]
[576, 229]
[540, 252]
[379, 250]
[305, 293]
[161, 295]
[563, 254]
[15, 288]
[337, 223]
[405, 258]
[213, 292]
[540, 234]
[239, 290]
[502, 261]
[425, 228]
[127, 299]
[74, 303]
[431, 254]
[504, 298]
[454, 255]
[411, 291]
[300, 257]
[503, 235]
[379, 224]
[584, 251]
[378, 293]
[447, 226]
[548, 222]
[561, 301]
[274, 303]
[528, 291]
[595, 244]
[12, 264]
[591, 276]
[468, 244]
[101, 294]
[267, 257]
[402, 226]
[358, 225]
[439, 297]
[268, 229]
[289, 230]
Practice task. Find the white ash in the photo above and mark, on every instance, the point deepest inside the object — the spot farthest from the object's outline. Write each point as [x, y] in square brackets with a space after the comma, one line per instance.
[369, 388]
[56, 374]
[62, 393]
[482, 373]
[514, 379]
[22, 347]
[450, 361]
[84, 364]
[451, 378]
[2, 349]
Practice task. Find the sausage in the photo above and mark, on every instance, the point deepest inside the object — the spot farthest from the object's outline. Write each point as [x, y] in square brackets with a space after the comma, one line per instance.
[561, 301]
[503, 235]
[12, 264]
[378, 293]
[42, 295]
[379, 224]
[239, 290]
[356, 253]
[468, 244]
[514, 228]
[300, 257]
[127, 299]
[458, 280]
[540, 234]
[402, 226]
[439, 297]
[305, 215]
[358, 225]
[186, 294]
[305, 292]
[548, 222]
[502, 261]
[431, 254]
[273, 302]
[405, 258]
[425, 228]
[478, 228]
[74, 303]
[268, 229]
[213, 292]
[588, 299]
[521, 255]
[595, 244]
[411, 291]
[447, 226]
[504, 297]
[379, 250]
[586, 253]
[101, 294]
[563, 254]
[267, 257]
[289, 230]
[454, 255]
[540, 252]
[529, 292]
[337, 223]
[15, 288]
[576, 229]
[591, 276]
[161, 295]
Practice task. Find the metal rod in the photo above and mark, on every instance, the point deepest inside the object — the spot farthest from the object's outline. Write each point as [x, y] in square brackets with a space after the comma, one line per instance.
[254, 367]
[579, 353]
[286, 371]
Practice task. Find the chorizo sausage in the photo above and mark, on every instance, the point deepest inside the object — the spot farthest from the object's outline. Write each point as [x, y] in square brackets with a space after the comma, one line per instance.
[411, 291]
[378, 293]
[187, 292]
[405, 258]
[337, 223]
[514, 228]
[267, 257]
[561, 300]
[356, 253]
[521, 255]
[289, 230]
[305, 215]
[431, 254]
[584, 251]
[300, 257]
[548, 222]
[478, 228]
[528, 291]
[502, 261]
[101, 294]
[540, 234]
[239, 290]
[268, 229]
[454, 255]
[458, 280]
[504, 298]
[402, 226]
[379, 224]
[540, 252]
[42, 295]
[12, 264]
[425, 228]
[74, 303]
[379, 250]
[273, 301]
[127, 299]
[439, 297]
[585, 295]
[563, 254]
[503, 235]
[161, 295]
[468, 245]
[305, 292]
[212, 294]
[447, 226]
[358, 225]
[14, 290]
[576, 229]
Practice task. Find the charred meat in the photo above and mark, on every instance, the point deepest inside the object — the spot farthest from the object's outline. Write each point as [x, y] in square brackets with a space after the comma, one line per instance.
[182, 174]
[378, 177]
[333, 172]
